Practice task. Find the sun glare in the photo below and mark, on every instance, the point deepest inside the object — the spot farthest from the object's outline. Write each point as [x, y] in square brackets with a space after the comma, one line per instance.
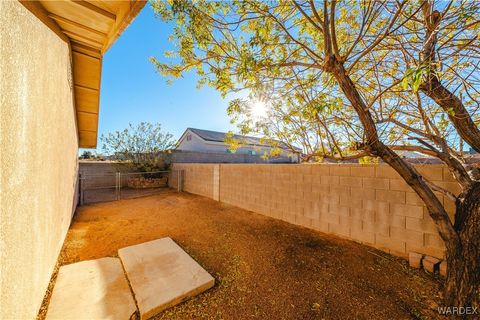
[258, 109]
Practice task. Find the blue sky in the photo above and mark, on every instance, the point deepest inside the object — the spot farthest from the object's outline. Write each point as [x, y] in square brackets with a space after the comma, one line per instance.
[132, 91]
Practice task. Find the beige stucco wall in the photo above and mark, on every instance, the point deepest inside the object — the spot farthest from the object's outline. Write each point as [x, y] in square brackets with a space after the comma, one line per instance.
[370, 204]
[38, 142]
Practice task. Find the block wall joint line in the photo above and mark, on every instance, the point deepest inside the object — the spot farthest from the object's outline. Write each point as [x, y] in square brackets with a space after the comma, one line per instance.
[386, 217]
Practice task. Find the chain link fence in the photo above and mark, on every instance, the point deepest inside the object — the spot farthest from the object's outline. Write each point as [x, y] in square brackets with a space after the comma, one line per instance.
[121, 185]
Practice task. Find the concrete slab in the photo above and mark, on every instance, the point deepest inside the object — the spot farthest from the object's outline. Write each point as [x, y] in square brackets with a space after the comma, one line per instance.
[431, 264]
[415, 259]
[443, 268]
[93, 289]
[162, 275]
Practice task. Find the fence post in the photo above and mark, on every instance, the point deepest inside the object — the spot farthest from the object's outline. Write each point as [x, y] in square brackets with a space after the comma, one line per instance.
[216, 182]
[81, 188]
[179, 179]
[117, 185]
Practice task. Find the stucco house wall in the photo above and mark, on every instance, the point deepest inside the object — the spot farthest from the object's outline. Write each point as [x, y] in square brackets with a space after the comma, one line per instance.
[198, 144]
[195, 143]
[39, 145]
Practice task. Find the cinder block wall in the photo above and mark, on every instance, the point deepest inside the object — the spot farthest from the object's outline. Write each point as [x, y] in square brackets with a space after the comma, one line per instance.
[101, 173]
[88, 167]
[197, 178]
[365, 203]
[182, 156]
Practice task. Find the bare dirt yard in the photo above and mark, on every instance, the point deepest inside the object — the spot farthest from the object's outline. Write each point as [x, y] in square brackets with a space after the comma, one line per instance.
[264, 268]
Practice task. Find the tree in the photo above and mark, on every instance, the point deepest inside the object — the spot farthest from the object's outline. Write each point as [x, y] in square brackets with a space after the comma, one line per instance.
[86, 155]
[144, 146]
[354, 79]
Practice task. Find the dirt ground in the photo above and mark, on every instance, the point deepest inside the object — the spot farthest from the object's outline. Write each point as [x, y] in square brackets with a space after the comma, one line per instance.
[264, 268]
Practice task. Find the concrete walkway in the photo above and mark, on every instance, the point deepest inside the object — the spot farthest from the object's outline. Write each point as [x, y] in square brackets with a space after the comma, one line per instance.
[94, 289]
[160, 273]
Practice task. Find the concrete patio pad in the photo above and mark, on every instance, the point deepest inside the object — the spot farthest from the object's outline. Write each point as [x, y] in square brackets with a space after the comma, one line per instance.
[162, 275]
[93, 289]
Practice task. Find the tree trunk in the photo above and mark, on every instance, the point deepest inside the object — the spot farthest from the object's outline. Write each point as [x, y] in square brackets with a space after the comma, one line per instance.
[375, 147]
[462, 287]
[462, 239]
[454, 108]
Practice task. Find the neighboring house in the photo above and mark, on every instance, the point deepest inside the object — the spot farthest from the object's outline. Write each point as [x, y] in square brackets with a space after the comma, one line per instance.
[208, 142]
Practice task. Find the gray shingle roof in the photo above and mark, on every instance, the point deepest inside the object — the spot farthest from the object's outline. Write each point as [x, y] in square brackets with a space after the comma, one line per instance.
[209, 135]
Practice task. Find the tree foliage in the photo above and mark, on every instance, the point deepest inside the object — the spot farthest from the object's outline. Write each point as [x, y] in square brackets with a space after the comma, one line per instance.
[353, 79]
[87, 155]
[275, 50]
[145, 146]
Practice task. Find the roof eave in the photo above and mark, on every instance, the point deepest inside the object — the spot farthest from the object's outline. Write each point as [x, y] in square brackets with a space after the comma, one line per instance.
[90, 29]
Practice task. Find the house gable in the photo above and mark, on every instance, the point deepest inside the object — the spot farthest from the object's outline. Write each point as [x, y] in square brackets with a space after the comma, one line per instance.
[198, 140]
